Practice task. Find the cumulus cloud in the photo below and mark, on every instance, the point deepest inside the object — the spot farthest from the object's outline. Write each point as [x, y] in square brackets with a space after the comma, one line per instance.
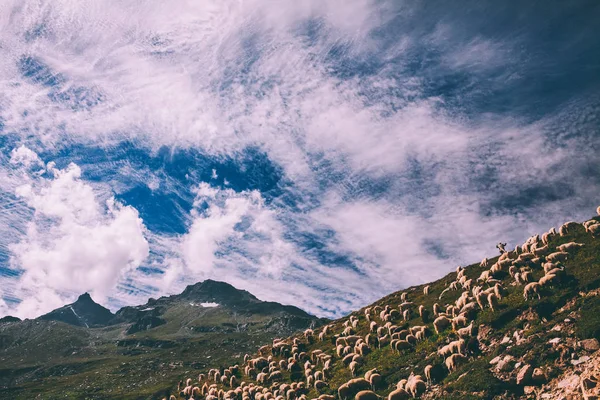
[74, 243]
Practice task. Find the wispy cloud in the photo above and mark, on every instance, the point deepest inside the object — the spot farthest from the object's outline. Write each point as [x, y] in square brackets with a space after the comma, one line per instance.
[315, 153]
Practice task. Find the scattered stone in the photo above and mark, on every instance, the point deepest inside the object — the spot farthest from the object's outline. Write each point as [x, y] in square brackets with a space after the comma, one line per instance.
[569, 383]
[529, 390]
[495, 360]
[581, 360]
[538, 375]
[590, 345]
[556, 340]
[524, 374]
[505, 339]
[506, 364]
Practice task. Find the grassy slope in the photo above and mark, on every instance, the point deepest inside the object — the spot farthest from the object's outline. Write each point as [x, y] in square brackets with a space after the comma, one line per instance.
[55, 360]
[474, 380]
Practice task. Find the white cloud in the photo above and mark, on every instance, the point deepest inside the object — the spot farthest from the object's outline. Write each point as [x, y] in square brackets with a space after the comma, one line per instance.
[74, 243]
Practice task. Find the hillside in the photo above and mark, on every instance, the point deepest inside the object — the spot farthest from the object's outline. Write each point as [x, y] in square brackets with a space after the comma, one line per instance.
[82, 350]
[501, 345]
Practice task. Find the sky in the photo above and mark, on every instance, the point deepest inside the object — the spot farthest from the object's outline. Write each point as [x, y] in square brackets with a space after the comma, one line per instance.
[315, 153]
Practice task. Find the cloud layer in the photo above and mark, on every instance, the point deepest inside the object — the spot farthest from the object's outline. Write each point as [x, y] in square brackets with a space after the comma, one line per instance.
[316, 153]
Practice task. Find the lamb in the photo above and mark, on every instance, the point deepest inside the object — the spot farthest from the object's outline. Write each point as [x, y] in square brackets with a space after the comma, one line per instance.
[454, 361]
[531, 288]
[441, 323]
[569, 246]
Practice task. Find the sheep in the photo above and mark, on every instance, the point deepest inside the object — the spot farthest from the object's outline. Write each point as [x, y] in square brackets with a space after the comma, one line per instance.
[569, 246]
[467, 331]
[366, 395]
[373, 326]
[406, 315]
[458, 322]
[566, 227]
[547, 280]
[550, 266]
[541, 251]
[320, 385]
[403, 296]
[398, 394]
[441, 323]
[594, 230]
[492, 300]
[531, 288]
[436, 309]
[376, 379]
[427, 372]
[444, 292]
[416, 386]
[484, 263]
[454, 361]
[426, 290]
[557, 256]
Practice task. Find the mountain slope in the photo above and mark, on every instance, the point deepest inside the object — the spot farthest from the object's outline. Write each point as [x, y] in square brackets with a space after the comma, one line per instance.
[57, 356]
[511, 347]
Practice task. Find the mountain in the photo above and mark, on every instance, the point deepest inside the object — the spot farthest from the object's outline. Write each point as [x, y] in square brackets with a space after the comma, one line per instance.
[88, 352]
[83, 312]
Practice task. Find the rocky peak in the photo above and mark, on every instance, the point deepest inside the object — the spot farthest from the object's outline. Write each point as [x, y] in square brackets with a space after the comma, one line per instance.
[83, 312]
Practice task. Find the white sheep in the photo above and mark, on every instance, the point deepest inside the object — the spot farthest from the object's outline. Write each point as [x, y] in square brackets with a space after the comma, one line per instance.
[569, 246]
[558, 256]
[454, 361]
[531, 288]
[441, 323]
[492, 300]
[426, 290]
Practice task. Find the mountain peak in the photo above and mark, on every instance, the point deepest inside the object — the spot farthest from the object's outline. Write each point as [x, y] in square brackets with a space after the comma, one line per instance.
[83, 312]
[216, 291]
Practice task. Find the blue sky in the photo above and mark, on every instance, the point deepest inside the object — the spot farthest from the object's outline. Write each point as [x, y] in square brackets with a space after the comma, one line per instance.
[315, 153]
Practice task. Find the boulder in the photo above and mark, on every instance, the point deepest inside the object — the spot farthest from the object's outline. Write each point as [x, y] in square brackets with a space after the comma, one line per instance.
[524, 374]
[590, 345]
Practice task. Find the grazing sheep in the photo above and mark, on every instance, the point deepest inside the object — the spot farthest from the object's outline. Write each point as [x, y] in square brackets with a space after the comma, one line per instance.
[403, 296]
[541, 251]
[458, 322]
[558, 256]
[441, 323]
[427, 372]
[484, 263]
[569, 246]
[426, 290]
[467, 331]
[320, 385]
[406, 315]
[548, 280]
[436, 309]
[416, 386]
[366, 395]
[566, 227]
[594, 230]
[454, 361]
[398, 394]
[376, 380]
[531, 288]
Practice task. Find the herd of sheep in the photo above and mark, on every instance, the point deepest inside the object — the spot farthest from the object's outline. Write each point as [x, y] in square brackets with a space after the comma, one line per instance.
[264, 376]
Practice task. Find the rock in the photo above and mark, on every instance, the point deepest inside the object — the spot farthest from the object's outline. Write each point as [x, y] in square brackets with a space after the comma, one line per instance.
[569, 383]
[495, 360]
[505, 339]
[524, 374]
[590, 345]
[538, 375]
[506, 364]
[529, 390]
[556, 340]
[581, 360]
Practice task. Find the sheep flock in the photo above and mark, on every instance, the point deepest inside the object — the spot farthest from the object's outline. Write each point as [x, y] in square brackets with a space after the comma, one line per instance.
[439, 322]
